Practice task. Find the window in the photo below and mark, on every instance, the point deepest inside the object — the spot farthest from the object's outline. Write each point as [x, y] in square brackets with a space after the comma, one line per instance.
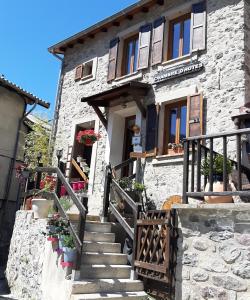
[175, 126]
[86, 71]
[130, 55]
[179, 37]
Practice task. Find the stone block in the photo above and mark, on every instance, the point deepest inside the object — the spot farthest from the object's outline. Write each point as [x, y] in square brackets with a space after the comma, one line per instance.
[200, 244]
[229, 283]
[220, 236]
[200, 275]
[190, 259]
[229, 252]
[243, 296]
[243, 239]
[242, 270]
[216, 265]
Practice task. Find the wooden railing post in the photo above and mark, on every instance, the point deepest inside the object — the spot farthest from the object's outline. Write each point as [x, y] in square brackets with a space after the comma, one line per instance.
[38, 177]
[185, 172]
[108, 179]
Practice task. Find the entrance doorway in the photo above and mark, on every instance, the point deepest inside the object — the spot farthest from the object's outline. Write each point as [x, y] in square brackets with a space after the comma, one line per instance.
[127, 146]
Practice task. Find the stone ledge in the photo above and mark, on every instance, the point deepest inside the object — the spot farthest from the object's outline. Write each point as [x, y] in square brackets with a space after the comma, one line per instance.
[221, 206]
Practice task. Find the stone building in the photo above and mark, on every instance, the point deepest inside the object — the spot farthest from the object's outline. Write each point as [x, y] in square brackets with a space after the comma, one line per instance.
[175, 68]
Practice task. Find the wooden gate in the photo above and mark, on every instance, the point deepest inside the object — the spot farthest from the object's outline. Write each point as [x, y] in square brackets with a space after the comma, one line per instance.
[155, 256]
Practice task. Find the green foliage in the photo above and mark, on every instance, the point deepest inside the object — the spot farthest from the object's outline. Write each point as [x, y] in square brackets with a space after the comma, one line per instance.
[139, 187]
[217, 165]
[68, 241]
[129, 185]
[37, 142]
[66, 202]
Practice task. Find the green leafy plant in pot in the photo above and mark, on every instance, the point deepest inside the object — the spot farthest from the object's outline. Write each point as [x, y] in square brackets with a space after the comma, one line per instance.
[69, 249]
[217, 178]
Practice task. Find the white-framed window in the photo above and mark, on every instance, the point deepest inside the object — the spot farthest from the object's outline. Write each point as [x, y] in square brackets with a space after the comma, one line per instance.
[86, 71]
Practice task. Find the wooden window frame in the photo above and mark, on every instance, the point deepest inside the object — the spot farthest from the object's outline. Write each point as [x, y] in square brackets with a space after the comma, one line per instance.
[181, 20]
[125, 54]
[168, 108]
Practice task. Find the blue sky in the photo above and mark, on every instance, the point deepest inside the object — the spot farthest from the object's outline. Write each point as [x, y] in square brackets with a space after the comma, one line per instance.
[28, 28]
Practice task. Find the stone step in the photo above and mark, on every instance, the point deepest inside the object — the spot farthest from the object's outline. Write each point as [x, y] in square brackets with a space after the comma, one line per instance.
[104, 258]
[105, 271]
[106, 285]
[101, 247]
[111, 296]
[94, 226]
[93, 218]
[99, 236]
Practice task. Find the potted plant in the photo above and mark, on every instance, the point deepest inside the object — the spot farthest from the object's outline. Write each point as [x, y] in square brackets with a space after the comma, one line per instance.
[87, 137]
[175, 149]
[69, 249]
[217, 178]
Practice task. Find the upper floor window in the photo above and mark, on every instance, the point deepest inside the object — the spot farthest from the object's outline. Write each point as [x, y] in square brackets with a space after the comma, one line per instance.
[179, 36]
[130, 54]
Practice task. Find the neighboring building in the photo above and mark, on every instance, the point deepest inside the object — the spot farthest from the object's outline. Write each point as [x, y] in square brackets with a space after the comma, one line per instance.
[13, 111]
[175, 68]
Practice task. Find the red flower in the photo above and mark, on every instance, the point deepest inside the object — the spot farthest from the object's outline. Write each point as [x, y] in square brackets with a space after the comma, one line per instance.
[87, 137]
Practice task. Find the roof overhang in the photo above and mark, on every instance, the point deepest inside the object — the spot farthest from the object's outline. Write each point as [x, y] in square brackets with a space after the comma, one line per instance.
[115, 96]
[29, 98]
[132, 91]
[103, 26]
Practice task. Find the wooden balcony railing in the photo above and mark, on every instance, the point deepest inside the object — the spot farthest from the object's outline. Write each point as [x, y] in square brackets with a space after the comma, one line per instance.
[199, 148]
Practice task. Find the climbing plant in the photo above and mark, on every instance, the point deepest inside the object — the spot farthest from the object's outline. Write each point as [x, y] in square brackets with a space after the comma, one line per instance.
[37, 143]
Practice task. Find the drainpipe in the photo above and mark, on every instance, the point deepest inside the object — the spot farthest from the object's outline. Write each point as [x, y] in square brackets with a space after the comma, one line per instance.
[57, 105]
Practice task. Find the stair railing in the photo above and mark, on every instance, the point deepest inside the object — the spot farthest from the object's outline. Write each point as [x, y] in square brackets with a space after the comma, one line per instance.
[112, 185]
[195, 151]
[78, 235]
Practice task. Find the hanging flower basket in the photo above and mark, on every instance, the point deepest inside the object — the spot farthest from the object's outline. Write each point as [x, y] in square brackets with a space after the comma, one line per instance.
[87, 137]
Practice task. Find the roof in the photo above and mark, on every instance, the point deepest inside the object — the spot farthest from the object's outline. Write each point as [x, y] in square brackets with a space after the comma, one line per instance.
[30, 98]
[114, 95]
[35, 120]
[103, 26]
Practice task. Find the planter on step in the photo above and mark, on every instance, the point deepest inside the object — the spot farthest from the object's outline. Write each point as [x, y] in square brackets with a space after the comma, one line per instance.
[69, 255]
[41, 208]
[218, 187]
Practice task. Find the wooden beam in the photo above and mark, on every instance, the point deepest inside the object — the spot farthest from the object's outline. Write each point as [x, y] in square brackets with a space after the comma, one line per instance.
[141, 107]
[160, 2]
[79, 170]
[100, 116]
[129, 17]
[62, 49]
[91, 36]
[145, 9]
[116, 23]
[104, 29]
[80, 41]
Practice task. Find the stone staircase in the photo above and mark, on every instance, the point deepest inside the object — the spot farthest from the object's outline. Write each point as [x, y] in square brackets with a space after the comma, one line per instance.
[104, 271]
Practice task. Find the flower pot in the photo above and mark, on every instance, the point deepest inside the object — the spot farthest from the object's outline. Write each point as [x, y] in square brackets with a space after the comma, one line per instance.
[74, 186]
[69, 254]
[81, 185]
[63, 191]
[217, 187]
[41, 208]
[52, 239]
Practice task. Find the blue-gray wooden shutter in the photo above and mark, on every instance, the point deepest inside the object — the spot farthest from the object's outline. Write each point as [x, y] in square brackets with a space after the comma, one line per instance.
[144, 46]
[198, 26]
[157, 40]
[113, 54]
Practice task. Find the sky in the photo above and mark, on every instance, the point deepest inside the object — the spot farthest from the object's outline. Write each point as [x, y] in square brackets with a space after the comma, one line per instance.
[29, 27]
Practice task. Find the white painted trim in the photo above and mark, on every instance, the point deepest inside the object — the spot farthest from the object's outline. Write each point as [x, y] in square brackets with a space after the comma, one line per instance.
[86, 119]
[127, 78]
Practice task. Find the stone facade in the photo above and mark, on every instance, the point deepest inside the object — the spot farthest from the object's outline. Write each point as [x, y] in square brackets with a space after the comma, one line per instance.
[25, 262]
[213, 252]
[222, 82]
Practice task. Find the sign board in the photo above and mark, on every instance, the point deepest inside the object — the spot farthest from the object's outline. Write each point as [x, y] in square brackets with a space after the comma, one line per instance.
[137, 148]
[137, 155]
[136, 140]
[178, 71]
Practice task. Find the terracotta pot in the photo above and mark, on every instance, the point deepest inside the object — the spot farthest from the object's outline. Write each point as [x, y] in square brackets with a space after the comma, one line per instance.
[41, 208]
[217, 187]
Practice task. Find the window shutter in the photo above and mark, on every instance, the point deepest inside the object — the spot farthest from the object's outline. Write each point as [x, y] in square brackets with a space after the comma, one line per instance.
[78, 72]
[198, 26]
[144, 46]
[195, 115]
[157, 44]
[152, 129]
[113, 53]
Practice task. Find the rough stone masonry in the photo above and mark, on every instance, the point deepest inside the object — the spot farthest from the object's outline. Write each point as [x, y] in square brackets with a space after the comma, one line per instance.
[213, 259]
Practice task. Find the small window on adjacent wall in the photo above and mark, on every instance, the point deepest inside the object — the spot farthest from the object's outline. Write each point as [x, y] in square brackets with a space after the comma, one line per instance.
[86, 71]
[130, 55]
[175, 127]
[179, 36]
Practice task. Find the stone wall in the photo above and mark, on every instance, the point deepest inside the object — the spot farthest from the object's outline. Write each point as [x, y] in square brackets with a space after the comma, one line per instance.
[222, 82]
[247, 49]
[213, 259]
[33, 270]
